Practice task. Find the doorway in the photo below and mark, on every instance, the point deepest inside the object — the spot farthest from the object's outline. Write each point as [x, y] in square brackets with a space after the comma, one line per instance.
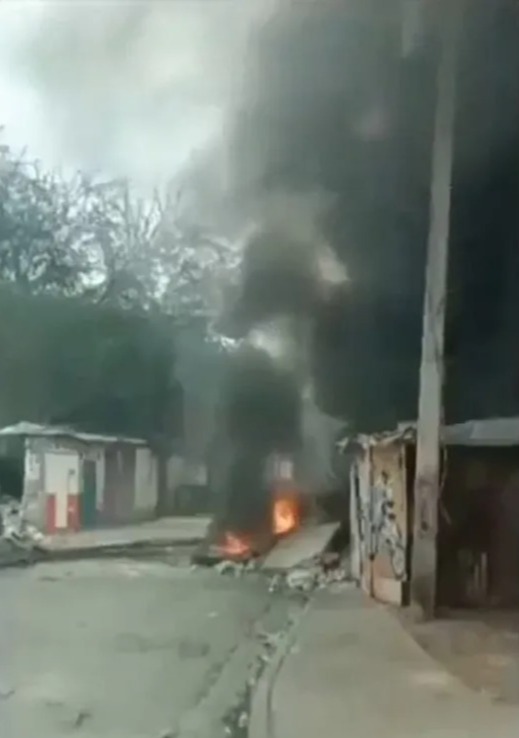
[88, 505]
[61, 486]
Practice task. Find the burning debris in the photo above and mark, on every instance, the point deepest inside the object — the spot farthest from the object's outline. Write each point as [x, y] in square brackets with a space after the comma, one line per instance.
[266, 472]
[235, 546]
[250, 523]
[285, 514]
[321, 571]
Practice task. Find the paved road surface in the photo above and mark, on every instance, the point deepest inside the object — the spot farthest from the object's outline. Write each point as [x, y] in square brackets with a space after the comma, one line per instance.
[128, 649]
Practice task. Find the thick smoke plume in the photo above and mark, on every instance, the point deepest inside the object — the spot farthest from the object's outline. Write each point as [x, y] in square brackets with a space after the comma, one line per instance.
[245, 103]
[303, 96]
[158, 90]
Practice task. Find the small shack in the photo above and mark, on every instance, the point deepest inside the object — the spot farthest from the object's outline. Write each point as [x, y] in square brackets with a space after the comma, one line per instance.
[478, 513]
[68, 481]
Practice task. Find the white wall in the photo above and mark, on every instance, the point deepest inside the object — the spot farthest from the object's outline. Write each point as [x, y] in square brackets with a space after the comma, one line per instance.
[100, 479]
[146, 481]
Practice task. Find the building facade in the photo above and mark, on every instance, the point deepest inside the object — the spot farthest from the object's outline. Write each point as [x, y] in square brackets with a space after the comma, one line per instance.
[477, 546]
[74, 481]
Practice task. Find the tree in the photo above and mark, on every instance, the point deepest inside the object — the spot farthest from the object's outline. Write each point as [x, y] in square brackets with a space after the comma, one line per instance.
[102, 369]
[149, 255]
[196, 268]
[96, 239]
[107, 290]
[118, 232]
[41, 250]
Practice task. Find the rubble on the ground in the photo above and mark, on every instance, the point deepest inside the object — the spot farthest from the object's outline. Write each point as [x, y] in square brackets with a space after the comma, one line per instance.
[243, 720]
[317, 573]
[308, 578]
[226, 566]
[235, 568]
[270, 641]
[15, 532]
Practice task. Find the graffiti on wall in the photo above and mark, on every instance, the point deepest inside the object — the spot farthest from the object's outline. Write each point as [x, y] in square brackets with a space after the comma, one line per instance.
[379, 517]
[360, 520]
[386, 537]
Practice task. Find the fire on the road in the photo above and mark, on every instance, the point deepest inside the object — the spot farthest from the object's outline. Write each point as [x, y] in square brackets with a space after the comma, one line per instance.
[285, 519]
[285, 515]
[235, 546]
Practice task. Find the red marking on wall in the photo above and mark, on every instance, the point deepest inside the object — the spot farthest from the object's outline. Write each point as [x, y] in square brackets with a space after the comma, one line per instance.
[73, 522]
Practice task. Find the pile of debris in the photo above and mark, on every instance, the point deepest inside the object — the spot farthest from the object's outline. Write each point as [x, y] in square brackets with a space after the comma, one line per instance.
[318, 572]
[18, 539]
[233, 568]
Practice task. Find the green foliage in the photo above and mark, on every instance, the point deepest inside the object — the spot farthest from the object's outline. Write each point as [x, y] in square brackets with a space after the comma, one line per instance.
[96, 239]
[94, 285]
[40, 248]
[98, 368]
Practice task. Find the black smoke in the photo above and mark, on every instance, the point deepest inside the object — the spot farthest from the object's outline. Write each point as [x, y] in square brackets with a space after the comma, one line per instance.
[334, 97]
[339, 103]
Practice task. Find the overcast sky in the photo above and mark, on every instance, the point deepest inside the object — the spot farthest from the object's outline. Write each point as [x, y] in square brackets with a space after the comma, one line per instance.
[122, 87]
[18, 102]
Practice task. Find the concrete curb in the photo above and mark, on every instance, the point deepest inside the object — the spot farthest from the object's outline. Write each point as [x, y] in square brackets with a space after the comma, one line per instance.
[41, 555]
[261, 722]
[115, 549]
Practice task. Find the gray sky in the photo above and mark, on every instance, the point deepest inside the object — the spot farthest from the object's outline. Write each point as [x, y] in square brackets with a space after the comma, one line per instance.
[19, 109]
[117, 86]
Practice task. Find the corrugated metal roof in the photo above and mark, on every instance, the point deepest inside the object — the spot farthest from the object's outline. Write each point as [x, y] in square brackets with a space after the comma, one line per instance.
[25, 428]
[487, 432]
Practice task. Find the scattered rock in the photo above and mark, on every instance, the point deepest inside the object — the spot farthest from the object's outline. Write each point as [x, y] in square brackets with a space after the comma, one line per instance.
[236, 720]
[229, 567]
[271, 641]
[310, 576]
[318, 572]
[330, 559]
[303, 580]
[276, 583]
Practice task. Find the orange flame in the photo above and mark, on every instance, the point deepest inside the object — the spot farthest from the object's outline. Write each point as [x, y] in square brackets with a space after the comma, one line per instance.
[234, 546]
[285, 515]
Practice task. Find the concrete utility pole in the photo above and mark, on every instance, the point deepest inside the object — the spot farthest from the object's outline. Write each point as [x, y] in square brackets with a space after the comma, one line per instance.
[430, 407]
